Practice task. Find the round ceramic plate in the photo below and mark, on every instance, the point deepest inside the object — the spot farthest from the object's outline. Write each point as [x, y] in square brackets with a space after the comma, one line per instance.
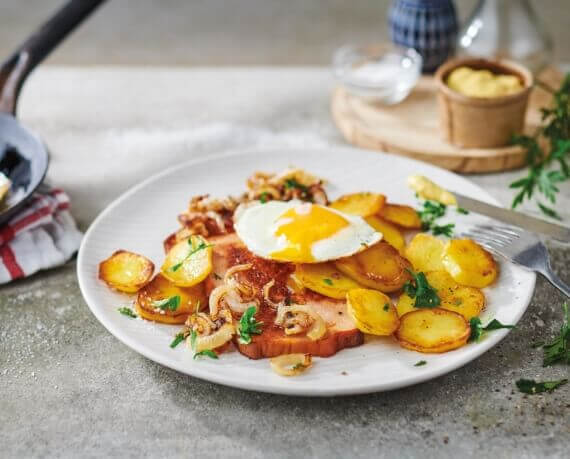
[141, 218]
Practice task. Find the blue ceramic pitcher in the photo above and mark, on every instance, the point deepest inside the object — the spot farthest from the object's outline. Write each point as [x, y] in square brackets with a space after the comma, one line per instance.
[428, 26]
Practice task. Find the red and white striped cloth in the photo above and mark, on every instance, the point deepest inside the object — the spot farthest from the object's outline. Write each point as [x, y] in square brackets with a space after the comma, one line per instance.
[41, 236]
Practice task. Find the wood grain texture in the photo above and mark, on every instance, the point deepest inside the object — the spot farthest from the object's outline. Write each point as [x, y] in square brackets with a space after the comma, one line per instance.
[411, 128]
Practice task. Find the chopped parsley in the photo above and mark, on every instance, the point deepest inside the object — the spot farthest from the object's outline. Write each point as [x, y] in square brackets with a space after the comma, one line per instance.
[193, 250]
[429, 213]
[559, 349]
[458, 302]
[446, 230]
[127, 312]
[263, 197]
[178, 339]
[292, 183]
[298, 366]
[426, 296]
[328, 281]
[206, 353]
[477, 327]
[461, 210]
[248, 325]
[421, 363]
[171, 303]
[530, 386]
[386, 307]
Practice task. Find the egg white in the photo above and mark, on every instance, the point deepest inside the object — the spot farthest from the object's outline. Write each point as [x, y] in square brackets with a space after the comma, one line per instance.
[256, 223]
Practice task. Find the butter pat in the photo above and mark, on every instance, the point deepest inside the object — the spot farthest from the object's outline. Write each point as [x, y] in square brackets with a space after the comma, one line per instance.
[482, 83]
[427, 189]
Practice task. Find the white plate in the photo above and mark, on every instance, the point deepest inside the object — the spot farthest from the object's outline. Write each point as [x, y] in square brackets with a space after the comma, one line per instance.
[141, 218]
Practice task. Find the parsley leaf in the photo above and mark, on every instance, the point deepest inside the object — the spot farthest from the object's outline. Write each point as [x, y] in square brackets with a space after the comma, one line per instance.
[530, 386]
[386, 307]
[559, 349]
[421, 363]
[446, 230]
[193, 250]
[426, 296]
[461, 210]
[127, 312]
[328, 281]
[206, 353]
[263, 197]
[248, 326]
[178, 339]
[171, 303]
[477, 327]
[292, 183]
[430, 212]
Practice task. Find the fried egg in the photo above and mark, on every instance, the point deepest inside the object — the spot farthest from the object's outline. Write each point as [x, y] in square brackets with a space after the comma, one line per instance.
[301, 232]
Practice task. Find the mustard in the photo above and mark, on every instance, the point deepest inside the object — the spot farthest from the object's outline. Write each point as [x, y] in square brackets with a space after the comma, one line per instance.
[482, 83]
[427, 189]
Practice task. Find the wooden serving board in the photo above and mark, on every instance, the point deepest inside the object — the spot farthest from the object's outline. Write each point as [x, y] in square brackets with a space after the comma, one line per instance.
[411, 128]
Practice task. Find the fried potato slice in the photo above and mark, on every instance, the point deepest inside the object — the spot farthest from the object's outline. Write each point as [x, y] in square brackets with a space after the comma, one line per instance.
[432, 330]
[425, 252]
[126, 271]
[151, 302]
[372, 312]
[189, 262]
[391, 234]
[363, 204]
[404, 216]
[467, 301]
[325, 279]
[380, 267]
[469, 264]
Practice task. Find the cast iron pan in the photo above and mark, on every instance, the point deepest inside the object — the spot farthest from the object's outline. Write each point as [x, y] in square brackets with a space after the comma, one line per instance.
[23, 156]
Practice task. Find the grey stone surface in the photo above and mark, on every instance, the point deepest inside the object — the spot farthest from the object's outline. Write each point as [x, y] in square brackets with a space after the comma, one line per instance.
[229, 32]
[70, 389]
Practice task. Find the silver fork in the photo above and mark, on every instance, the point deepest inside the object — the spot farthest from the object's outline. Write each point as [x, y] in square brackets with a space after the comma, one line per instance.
[522, 247]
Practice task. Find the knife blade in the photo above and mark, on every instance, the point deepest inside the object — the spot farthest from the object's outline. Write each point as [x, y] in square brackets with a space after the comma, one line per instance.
[533, 224]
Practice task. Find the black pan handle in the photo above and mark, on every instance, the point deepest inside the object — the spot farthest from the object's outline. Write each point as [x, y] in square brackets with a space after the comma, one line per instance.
[29, 54]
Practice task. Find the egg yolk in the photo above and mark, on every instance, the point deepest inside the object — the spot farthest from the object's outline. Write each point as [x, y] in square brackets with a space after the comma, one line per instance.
[302, 228]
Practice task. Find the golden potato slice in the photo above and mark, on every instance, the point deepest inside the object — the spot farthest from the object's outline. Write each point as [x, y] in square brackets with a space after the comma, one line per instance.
[325, 279]
[469, 264]
[126, 271]
[467, 301]
[405, 304]
[157, 301]
[424, 252]
[363, 204]
[404, 216]
[432, 330]
[390, 232]
[372, 312]
[380, 267]
[189, 262]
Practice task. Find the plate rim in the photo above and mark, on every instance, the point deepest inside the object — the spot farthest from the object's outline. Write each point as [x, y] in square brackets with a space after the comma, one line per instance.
[253, 385]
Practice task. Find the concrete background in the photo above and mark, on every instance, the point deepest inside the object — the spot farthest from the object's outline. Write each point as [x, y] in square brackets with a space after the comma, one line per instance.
[229, 32]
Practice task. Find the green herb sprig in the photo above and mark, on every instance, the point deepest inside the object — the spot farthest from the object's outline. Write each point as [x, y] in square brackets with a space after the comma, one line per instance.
[558, 350]
[171, 303]
[429, 213]
[546, 171]
[426, 296]
[127, 312]
[248, 325]
[205, 352]
[420, 363]
[477, 328]
[530, 386]
[193, 250]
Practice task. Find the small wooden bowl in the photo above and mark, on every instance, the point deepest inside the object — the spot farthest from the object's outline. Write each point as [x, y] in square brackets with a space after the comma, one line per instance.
[477, 122]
